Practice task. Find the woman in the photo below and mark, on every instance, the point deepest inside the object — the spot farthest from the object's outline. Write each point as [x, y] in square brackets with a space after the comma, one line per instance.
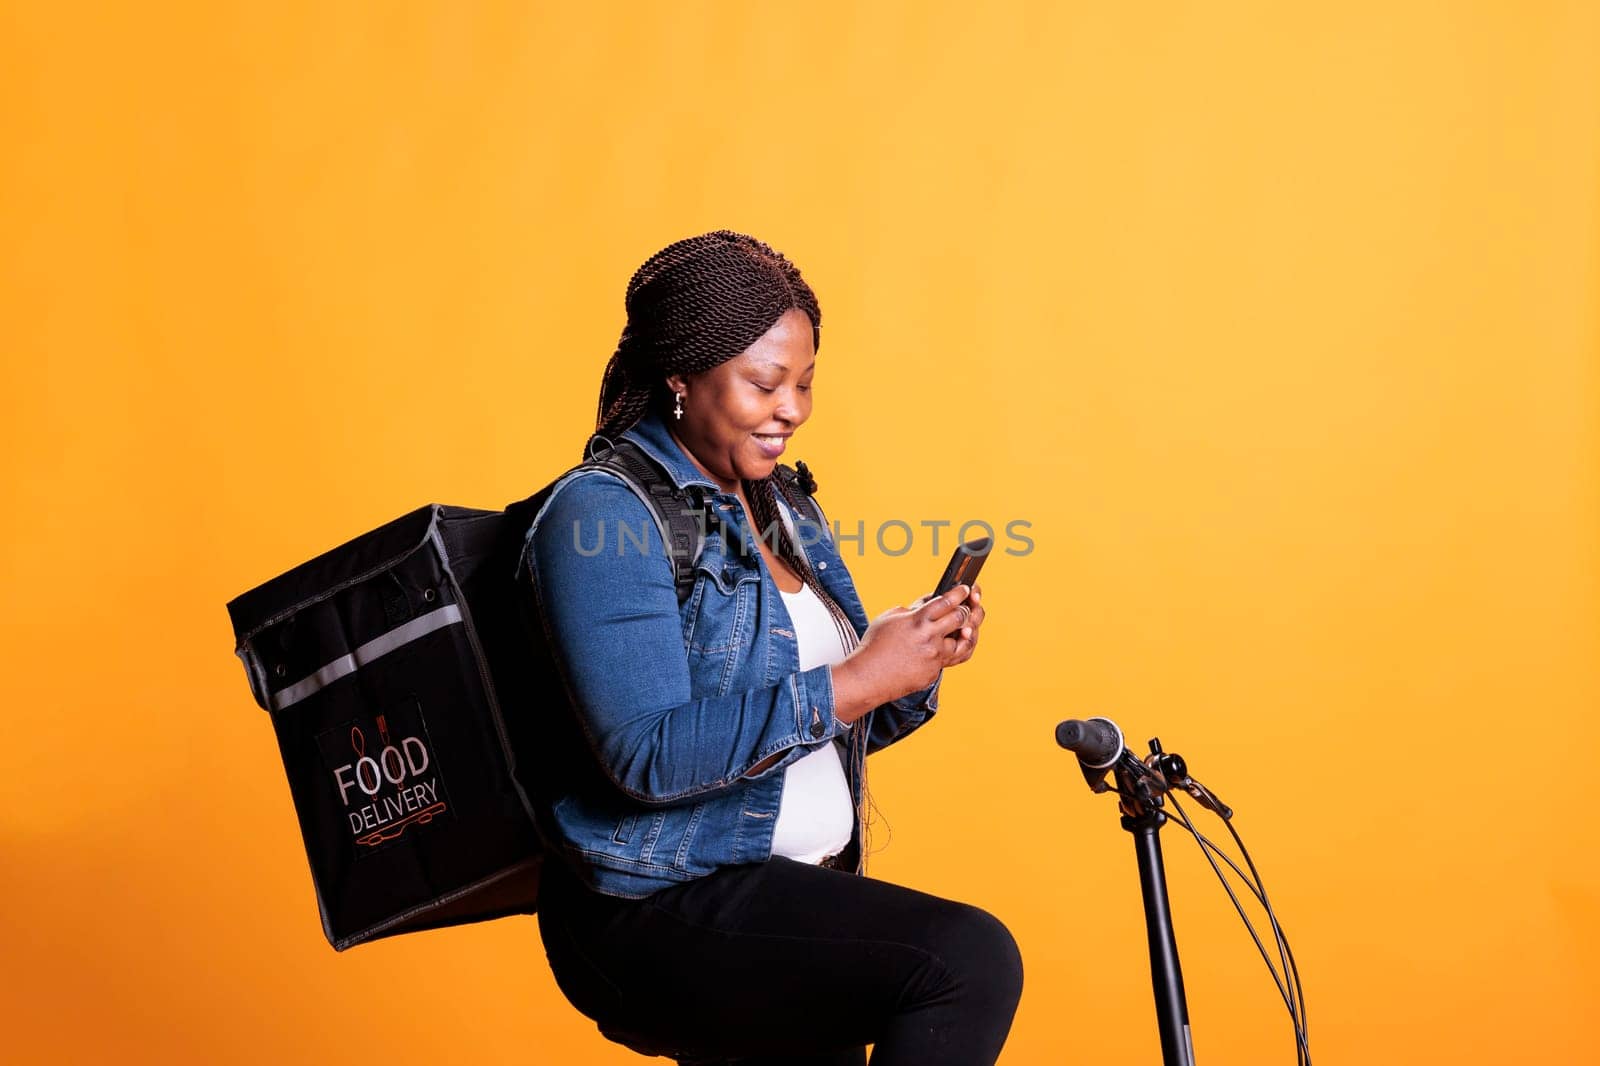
[704, 897]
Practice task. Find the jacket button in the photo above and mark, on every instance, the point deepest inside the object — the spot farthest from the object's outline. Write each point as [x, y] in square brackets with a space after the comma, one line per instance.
[817, 729]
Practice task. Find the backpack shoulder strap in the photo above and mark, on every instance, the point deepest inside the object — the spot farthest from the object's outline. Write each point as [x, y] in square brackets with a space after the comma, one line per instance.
[680, 512]
[798, 480]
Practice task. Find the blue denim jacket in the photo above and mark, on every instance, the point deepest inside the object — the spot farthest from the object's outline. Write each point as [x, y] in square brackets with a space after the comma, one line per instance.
[676, 703]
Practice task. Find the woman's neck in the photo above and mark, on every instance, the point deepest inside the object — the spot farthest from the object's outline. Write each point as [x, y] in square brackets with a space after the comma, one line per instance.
[734, 487]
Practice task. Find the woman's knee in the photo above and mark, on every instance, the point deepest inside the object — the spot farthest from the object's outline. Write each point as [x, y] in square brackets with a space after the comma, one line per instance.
[982, 955]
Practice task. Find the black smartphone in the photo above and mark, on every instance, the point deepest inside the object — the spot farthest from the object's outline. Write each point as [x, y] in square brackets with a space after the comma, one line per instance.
[964, 565]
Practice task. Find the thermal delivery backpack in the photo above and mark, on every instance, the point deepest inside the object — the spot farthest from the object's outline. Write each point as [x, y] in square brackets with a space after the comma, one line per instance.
[403, 676]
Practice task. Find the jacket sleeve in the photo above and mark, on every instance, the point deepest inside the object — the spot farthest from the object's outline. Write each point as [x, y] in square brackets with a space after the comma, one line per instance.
[610, 613]
[896, 719]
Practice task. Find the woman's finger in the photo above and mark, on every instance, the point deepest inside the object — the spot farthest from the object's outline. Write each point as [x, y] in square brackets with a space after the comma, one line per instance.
[958, 646]
[940, 606]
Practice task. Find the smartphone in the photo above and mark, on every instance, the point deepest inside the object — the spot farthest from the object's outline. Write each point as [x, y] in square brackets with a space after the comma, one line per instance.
[964, 565]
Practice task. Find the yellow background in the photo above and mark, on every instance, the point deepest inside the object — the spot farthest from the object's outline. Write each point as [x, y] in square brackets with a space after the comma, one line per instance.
[1277, 322]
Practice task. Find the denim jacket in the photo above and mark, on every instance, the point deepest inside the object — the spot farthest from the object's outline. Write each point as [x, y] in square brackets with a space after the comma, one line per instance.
[669, 706]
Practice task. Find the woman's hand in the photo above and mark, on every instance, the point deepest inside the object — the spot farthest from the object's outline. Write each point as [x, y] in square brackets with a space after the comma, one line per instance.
[968, 638]
[966, 641]
[904, 649]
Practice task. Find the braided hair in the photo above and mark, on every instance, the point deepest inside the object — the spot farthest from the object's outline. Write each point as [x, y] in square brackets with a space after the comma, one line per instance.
[691, 307]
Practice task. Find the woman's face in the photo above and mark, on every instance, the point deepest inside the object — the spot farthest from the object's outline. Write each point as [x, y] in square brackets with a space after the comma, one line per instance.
[738, 416]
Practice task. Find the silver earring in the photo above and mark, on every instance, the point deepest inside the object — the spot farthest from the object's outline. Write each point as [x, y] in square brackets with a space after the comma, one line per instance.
[677, 412]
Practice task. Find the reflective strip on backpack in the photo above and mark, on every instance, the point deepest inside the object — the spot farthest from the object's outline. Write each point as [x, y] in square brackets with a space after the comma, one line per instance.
[397, 637]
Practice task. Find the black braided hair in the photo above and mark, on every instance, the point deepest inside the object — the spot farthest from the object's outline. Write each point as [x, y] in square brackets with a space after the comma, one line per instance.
[692, 306]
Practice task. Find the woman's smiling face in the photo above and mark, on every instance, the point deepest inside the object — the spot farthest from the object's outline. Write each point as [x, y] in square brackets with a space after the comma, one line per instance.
[738, 416]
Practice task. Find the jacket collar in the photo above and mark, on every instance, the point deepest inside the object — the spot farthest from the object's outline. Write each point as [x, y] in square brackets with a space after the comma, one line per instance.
[650, 433]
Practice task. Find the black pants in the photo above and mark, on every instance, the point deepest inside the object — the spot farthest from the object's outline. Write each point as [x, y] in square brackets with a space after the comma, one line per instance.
[784, 962]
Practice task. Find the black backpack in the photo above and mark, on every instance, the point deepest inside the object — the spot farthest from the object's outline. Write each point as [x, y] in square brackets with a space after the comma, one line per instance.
[387, 665]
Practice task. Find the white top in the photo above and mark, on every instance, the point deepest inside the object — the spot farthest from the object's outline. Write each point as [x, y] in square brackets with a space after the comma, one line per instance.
[815, 816]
